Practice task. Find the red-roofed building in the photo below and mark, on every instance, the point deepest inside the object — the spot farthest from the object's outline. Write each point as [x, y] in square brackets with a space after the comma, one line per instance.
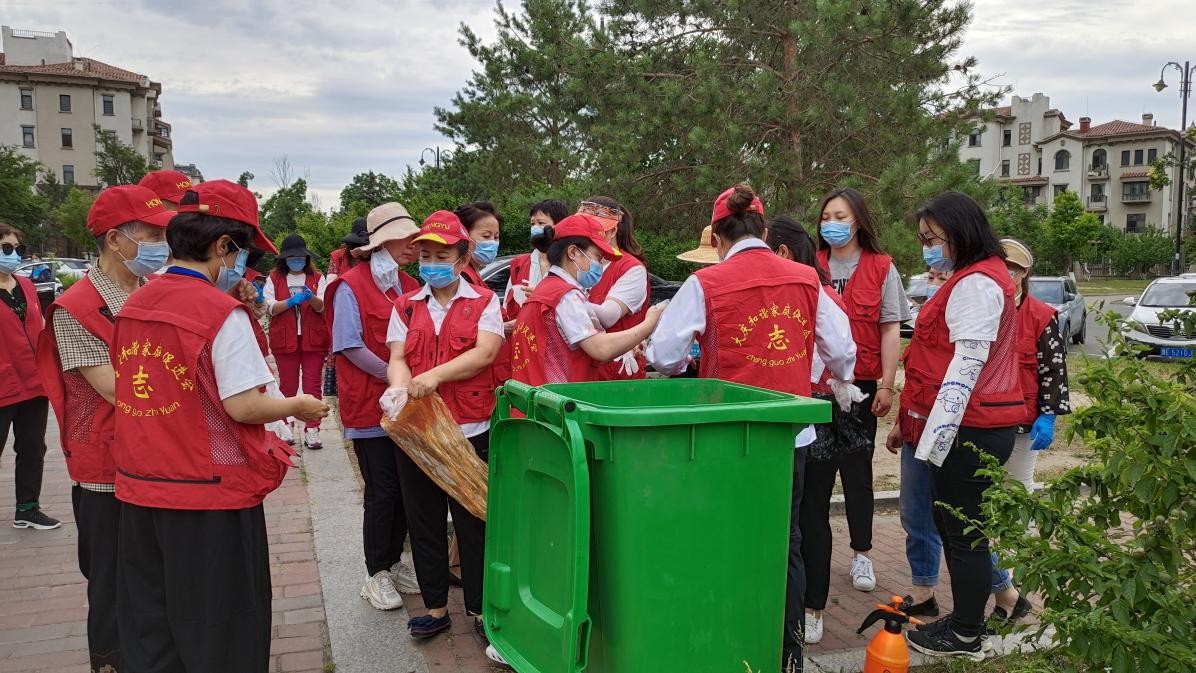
[1001, 146]
[51, 100]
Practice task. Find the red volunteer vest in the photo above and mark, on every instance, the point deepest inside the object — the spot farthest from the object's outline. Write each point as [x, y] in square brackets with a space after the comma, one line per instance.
[996, 400]
[176, 447]
[539, 354]
[85, 418]
[472, 276]
[760, 321]
[19, 378]
[609, 371]
[861, 298]
[471, 400]
[1033, 316]
[521, 271]
[359, 391]
[284, 328]
[500, 370]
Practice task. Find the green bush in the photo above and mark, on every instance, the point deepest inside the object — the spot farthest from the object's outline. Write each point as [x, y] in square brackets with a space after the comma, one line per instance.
[1110, 545]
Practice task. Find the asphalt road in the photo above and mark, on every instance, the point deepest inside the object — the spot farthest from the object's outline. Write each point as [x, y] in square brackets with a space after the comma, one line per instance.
[1097, 332]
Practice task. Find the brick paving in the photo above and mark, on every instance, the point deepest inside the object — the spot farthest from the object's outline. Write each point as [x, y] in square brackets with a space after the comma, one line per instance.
[43, 597]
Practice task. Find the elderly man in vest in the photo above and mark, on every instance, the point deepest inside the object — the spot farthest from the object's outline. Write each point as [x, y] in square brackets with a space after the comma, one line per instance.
[129, 225]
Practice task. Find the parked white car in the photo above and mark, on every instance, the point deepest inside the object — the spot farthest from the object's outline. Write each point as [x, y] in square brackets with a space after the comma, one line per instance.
[1145, 328]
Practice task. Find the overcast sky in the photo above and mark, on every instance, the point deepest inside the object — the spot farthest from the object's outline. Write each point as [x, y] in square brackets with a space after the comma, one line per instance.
[350, 86]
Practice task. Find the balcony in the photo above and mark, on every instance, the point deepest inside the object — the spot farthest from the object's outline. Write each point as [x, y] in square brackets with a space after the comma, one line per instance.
[1100, 172]
[138, 125]
[1135, 197]
[1098, 202]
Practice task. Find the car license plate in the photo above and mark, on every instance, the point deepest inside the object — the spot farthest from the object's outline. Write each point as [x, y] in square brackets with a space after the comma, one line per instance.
[1176, 352]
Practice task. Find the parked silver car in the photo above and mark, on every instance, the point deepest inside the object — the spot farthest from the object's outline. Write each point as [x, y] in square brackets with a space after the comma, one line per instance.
[1146, 329]
[1061, 293]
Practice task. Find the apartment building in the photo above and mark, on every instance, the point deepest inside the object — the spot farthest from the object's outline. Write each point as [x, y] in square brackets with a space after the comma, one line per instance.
[1032, 145]
[51, 100]
[191, 171]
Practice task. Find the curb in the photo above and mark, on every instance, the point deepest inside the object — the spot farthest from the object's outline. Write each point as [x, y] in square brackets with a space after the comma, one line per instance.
[881, 500]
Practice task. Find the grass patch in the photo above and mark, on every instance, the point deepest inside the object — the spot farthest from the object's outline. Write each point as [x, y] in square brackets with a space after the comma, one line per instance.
[1014, 663]
[1113, 286]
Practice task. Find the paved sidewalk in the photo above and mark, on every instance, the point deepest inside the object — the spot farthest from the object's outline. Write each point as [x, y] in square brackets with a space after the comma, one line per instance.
[43, 597]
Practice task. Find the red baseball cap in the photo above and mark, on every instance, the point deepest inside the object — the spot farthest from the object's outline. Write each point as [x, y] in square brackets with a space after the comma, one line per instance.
[586, 226]
[721, 210]
[127, 203]
[444, 228]
[168, 185]
[229, 200]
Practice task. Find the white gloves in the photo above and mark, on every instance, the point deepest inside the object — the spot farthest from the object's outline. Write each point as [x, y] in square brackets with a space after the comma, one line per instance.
[393, 401]
[628, 364]
[846, 394]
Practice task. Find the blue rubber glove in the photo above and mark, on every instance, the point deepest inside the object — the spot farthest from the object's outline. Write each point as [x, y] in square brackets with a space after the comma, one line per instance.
[295, 300]
[306, 294]
[1042, 433]
[261, 294]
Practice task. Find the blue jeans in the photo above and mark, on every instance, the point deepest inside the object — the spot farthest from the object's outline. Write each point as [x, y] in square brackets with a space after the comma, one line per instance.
[923, 547]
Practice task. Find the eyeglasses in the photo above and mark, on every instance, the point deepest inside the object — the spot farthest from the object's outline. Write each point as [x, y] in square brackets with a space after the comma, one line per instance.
[8, 248]
[927, 241]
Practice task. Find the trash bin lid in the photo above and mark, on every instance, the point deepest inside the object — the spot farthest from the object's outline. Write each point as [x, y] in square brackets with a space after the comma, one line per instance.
[538, 546]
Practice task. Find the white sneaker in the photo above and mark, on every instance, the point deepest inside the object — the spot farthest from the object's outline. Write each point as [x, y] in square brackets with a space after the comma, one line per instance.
[404, 579]
[493, 655]
[862, 576]
[813, 629]
[379, 590]
[312, 438]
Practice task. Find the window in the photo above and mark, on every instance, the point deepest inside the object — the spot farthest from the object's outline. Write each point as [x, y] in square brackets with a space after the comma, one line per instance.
[1005, 167]
[1151, 155]
[1125, 158]
[974, 166]
[1059, 189]
[974, 138]
[67, 138]
[1137, 157]
[1007, 138]
[68, 174]
[1030, 194]
[1062, 160]
[1099, 158]
[27, 136]
[1039, 165]
[64, 103]
[1135, 191]
[1098, 192]
[26, 99]
[109, 105]
[1135, 223]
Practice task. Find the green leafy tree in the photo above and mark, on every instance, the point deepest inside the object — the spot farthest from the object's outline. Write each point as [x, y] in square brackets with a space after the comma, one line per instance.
[71, 215]
[244, 179]
[369, 189]
[116, 162]
[281, 212]
[522, 111]
[1073, 232]
[322, 233]
[21, 205]
[1138, 254]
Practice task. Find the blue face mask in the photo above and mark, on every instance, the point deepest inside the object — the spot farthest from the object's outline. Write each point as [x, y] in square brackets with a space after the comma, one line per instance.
[228, 278]
[590, 277]
[485, 251]
[837, 234]
[296, 264]
[150, 256]
[931, 290]
[9, 262]
[438, 274]
[535, 231]
[936, 260]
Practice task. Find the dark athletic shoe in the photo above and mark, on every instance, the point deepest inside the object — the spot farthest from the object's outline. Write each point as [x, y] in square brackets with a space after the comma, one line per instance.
[36, 519]
[427, 626]
[938, 640]
[927, 608]
[1020, 610]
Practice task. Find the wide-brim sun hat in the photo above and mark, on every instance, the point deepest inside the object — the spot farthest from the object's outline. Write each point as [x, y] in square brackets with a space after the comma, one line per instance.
[1017, 254]
[359, 236]
[294, 246]
[705, 253]
[388, 222]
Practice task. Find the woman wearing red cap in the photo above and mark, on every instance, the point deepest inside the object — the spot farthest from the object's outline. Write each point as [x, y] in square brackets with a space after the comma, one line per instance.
[621, 297]
[193, 458]
[484, 224]
[529, 268]
[758, 318]
[557, 337]
[423, 361]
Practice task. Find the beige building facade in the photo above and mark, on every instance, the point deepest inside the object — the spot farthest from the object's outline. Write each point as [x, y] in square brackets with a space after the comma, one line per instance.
[51, 100]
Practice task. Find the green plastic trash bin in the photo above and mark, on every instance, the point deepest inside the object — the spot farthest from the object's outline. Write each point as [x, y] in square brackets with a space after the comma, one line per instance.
[641, 526]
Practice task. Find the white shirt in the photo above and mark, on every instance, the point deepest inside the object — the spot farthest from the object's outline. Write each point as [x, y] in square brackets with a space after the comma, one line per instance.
[631, 290]
[575, 316]
[295, 283]
[236, 358]
[669, 347]
[534, 275]
[490, 321]
[974, 309]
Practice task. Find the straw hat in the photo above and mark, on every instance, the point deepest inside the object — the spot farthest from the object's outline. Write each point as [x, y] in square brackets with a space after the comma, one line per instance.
[705, 252]
[1017, 254]
[388, 222]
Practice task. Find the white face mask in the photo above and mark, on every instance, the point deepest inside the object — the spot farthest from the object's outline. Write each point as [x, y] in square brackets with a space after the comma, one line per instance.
[384, 269]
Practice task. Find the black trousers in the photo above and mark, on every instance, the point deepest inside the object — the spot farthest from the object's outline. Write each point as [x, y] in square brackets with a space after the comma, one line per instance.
[97, 516]
[28, 421]
[384, 527]
[795, 584]
[427, 509]
[193, 590]
[968, 560]
[855, 470]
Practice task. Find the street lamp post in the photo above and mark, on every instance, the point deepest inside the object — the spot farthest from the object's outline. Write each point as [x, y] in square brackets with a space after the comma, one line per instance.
[1185, 90]
[437, 153]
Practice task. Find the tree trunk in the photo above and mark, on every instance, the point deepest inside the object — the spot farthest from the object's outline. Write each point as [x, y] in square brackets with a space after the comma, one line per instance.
[793, 136]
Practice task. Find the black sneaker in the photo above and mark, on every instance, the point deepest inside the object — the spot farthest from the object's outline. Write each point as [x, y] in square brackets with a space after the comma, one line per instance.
[927, 608]
[34, 518]
[1020, 610]
[938, 640]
